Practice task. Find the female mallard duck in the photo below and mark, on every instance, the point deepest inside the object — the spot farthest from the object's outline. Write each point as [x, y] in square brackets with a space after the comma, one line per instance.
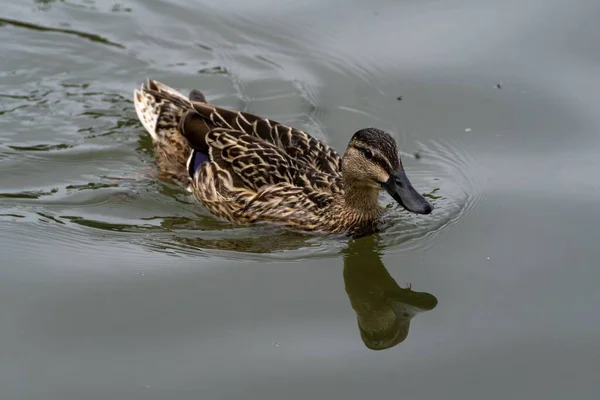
[248, 169]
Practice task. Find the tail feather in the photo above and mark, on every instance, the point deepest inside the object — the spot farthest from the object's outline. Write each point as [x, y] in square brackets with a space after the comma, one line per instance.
[147, 110]
[158, 106]
[160, 109]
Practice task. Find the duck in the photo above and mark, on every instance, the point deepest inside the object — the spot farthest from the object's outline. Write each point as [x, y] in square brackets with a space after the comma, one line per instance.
[249, 170]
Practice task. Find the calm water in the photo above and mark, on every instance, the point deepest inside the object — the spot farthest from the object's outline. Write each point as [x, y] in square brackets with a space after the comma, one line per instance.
[116, 285]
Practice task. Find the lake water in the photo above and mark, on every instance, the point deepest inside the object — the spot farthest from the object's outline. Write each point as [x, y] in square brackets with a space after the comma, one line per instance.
[117, 285]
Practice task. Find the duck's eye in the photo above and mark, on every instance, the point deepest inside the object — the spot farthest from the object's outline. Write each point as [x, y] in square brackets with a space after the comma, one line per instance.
[368, 153]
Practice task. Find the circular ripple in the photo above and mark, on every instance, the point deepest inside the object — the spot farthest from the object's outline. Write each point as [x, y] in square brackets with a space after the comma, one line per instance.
[451, 180]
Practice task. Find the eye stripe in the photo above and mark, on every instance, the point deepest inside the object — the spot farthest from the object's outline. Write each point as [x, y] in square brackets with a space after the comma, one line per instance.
[377, 158]
[383, 163]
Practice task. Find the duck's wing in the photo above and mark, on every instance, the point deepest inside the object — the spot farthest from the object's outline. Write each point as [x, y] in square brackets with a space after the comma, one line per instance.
[254, 163]
[283, 203]
[248, 180]
[296, 143]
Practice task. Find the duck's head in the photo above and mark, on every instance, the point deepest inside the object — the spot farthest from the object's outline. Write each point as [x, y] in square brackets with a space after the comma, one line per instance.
[371, 161]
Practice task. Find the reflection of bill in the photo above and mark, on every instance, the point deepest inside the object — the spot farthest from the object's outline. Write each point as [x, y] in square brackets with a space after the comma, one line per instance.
[383, 309]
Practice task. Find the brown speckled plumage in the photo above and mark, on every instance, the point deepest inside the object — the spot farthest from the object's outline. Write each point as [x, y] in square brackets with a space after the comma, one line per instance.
[263, 171]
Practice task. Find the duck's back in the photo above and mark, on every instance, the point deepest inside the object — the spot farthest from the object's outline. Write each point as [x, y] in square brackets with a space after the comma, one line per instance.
[298, 144]
[163, 111]
[254, 163]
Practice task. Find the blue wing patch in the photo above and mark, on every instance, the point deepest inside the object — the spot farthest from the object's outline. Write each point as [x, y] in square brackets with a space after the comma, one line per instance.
[195, 161]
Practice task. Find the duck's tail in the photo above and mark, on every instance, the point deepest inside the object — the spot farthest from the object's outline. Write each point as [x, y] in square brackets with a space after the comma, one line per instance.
[160, 109]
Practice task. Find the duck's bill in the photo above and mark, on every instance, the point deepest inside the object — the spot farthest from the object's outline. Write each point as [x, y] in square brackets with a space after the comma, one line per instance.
[400, 188]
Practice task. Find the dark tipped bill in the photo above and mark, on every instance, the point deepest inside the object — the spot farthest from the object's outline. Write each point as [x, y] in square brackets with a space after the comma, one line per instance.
[400, 188]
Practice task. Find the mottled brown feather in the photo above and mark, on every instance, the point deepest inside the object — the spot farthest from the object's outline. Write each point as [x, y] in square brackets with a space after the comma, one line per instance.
[294, 142]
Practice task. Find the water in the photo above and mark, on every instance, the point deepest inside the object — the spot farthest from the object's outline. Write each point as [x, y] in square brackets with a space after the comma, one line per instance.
[115, 284]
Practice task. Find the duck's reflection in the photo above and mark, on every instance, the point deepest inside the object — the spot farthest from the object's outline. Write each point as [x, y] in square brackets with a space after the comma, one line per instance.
[383, 309]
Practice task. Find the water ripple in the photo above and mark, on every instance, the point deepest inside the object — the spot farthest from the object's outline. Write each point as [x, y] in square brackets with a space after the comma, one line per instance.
[453, 183]
[89, 36]
[94, 176]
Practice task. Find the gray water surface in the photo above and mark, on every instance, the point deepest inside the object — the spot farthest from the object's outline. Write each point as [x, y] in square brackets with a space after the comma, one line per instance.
[115, 284]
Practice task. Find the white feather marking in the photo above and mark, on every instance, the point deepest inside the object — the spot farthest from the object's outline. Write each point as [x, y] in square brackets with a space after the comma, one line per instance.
[237, 121]
[189, 160]
[146, 107]
[222, 119]
[147, 111]
[243, 118]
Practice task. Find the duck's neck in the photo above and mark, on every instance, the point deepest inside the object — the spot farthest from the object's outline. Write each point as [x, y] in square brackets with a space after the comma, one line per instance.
[362, 200]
